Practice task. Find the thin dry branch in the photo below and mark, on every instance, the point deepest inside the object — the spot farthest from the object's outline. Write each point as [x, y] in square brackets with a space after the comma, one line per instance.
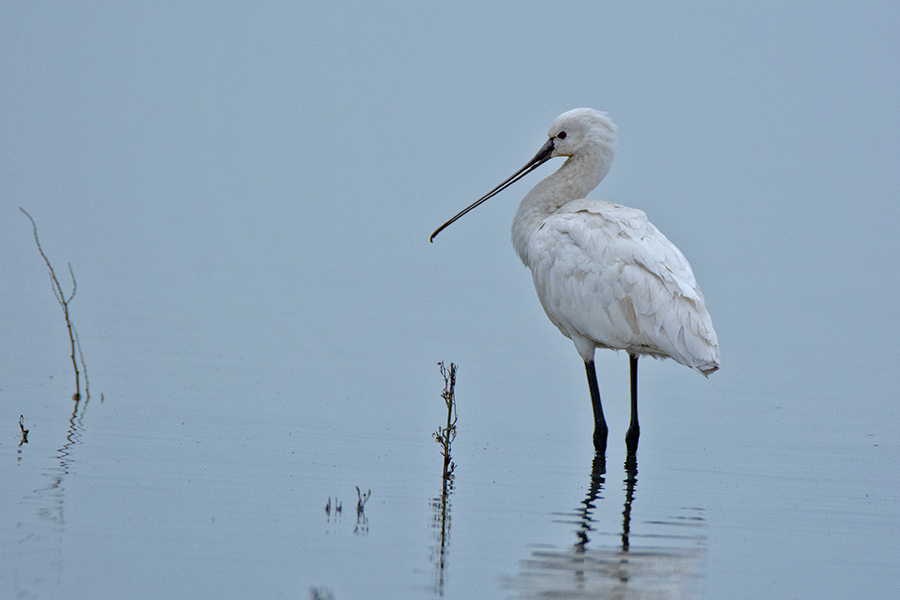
[64, 304]
[87, 389]
[445, 435]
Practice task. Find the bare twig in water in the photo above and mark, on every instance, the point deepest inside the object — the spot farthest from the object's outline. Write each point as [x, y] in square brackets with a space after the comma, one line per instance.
[361, 500]
[338, 507]
[24, 439]
[87, 392]
[441, 505]
[445, 435]
[362, 522]
[64, 304]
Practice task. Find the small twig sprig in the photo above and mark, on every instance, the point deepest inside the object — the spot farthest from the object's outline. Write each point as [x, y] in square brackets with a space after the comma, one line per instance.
[24, 439]
[445, 435]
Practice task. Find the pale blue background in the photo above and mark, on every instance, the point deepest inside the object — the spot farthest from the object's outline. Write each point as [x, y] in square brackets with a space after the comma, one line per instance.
[245, 193]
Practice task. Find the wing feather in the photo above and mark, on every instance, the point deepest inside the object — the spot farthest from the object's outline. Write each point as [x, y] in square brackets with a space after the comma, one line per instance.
[607, 276]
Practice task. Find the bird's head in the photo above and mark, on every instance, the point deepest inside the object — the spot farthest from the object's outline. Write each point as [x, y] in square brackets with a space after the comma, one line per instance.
[580, 132]
[581, 128]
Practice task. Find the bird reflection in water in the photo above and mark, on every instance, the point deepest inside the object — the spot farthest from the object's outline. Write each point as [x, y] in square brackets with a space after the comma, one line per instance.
[623, 570]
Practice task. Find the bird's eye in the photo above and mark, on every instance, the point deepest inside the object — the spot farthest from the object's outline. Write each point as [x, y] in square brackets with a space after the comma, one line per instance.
[561, 135]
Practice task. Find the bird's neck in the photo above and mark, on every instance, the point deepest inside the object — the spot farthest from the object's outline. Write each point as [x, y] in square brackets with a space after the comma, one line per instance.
[574, 180]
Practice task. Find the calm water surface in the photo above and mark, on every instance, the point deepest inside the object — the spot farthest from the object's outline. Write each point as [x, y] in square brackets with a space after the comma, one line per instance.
[205, 471]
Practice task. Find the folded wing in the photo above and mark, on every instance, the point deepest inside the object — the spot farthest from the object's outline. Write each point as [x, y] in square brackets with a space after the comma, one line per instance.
[608, 278]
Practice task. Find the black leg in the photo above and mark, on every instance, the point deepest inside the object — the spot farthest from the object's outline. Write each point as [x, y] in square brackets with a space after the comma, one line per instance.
[634, 428]
[600, 428]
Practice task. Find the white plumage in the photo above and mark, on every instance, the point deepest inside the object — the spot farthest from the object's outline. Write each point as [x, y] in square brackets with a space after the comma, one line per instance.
[605, 275]
[608, 278]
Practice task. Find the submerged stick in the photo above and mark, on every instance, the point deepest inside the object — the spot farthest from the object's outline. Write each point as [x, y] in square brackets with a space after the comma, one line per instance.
[64, 304]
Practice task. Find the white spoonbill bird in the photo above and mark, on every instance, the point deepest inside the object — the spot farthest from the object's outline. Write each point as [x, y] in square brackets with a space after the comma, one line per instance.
[606, 277]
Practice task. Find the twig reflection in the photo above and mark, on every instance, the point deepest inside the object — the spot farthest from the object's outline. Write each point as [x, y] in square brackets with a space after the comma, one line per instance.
[441, 523]
[64, 455]
[43, 536]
